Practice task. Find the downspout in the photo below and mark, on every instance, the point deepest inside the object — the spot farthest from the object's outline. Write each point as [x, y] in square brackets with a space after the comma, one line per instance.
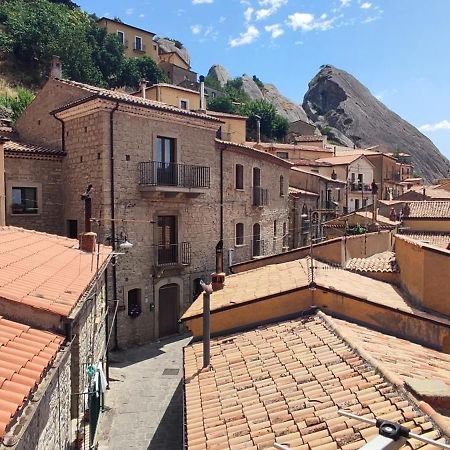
[113, 216]
[63, 133]
[221, 193]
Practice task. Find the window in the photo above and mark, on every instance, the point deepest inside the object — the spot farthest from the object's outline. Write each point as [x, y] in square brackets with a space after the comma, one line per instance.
[138, 43]
[239, 176]
[72, 229]
[258, 244]
[167, 240]
[283, 155]
[197, 289]
[134, 302]
[281, 186]
[184, 104]
[285, 235]
[24, 200]
[121, 36]
[239, 235]
[274, 228]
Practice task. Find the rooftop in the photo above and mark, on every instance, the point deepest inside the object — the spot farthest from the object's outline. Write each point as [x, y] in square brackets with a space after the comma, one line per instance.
[433, 191]
[45, 271]
[295, 191]
[285, 382]
[276, 279]
[15, 148]
[107, 94]
[429, 210]
[318, 175]
[25, 356]
[437, 239]
[380, 262]
[341, 160]
[125, 24]
[274, 146]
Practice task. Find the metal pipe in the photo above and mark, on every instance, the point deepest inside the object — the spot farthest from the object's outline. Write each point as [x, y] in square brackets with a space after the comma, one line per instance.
[207, 291]
[202, 93]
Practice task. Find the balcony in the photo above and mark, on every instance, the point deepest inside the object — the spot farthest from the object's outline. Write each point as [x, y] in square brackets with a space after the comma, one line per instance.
[171, 179]
[260, 196]
[173, 254]
[360, 187]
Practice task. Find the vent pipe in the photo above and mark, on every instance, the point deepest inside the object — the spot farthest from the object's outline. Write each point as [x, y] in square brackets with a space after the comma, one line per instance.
[202, 93]
[56, 67]
[207, 291]
[143, 87]
[88, 239]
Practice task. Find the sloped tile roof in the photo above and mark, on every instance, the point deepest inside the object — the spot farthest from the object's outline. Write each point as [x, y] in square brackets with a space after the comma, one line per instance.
[45, 271]
[437, 239]
[429, 210]
[25, 356]
[126, 98]
[296, 191]
[380, 262]
[29, 149]
[284, 383]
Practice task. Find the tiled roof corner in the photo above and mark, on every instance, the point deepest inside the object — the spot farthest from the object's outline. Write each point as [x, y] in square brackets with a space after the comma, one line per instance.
[21, 148]
[428, 210]
[380, 262]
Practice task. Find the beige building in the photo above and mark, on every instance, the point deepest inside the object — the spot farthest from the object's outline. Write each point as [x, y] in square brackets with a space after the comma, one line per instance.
[136, 41]
[158, 175]
[233, 128]
[173, 95]
[295, 153]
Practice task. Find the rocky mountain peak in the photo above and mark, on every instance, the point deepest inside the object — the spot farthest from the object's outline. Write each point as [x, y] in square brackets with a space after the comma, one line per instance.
[169, 46]
[219, 73]
[337, 101]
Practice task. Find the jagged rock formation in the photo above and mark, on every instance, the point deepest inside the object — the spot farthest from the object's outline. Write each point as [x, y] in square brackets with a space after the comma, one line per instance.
[219, 73]
[168, 46]
[338, 102]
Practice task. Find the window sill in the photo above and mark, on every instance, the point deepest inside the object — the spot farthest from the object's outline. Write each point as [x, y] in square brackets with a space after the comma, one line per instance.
[240, 245]
[25, 214]
[239, 189]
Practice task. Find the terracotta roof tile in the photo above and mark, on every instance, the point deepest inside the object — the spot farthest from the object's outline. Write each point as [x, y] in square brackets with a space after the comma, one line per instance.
[429, 210]
[17, 352]
[437, 239]
[44, 271]
[293, 405]
[380, 262]
[15, 147]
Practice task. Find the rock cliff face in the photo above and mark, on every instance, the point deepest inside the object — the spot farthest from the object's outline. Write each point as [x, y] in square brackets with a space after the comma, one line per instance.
[167, 46]
[219, 73]
[338, 101]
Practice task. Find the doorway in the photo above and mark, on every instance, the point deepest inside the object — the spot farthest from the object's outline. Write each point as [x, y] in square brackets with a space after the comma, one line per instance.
[168, 309]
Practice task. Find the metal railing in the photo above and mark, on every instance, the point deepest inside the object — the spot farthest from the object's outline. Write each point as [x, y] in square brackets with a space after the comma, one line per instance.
[260, 196]
[155, 173]
[358, 187]
[173, 254]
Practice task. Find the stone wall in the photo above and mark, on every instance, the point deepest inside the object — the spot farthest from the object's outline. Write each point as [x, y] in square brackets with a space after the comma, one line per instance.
[45, 175]
[45, 421]
[238, 204]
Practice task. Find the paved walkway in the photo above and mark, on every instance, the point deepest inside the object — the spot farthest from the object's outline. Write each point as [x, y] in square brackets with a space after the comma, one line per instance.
[144, 405]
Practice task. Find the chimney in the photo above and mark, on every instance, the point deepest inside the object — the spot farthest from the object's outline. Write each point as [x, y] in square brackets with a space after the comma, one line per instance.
[88, 238]
[3, 140]
[218, 277]
[56, 67]
[143, 88]
[202, 93]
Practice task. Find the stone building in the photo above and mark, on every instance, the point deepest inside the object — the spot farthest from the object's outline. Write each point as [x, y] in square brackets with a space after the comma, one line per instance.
[56, 284]
[255, 202]
[156, 176]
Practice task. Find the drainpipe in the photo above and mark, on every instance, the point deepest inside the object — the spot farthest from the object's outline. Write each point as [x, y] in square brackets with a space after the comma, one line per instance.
[221, 194]
[63, 133]
[113, 216]
[202, 94]
[207, 291]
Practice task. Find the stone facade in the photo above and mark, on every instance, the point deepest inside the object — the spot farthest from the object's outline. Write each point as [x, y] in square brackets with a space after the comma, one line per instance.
[45, 421]
[239, 203]
[44, 174]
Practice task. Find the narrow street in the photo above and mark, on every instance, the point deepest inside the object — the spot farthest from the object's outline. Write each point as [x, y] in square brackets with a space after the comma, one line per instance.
[144, 404]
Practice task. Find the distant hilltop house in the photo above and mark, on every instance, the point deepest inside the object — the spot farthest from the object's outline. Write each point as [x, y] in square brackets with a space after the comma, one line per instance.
[139, 42]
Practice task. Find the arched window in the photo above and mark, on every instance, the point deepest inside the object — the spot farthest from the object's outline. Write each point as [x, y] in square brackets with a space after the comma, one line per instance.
[134, 302]
[239, 177]
[239, 234]
[281, 186]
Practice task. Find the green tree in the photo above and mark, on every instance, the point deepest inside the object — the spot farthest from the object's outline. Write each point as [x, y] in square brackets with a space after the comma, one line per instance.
[222, 103]
[280, 127]
[266, 111]
[213, 83]
[134, 69]
[16, 103]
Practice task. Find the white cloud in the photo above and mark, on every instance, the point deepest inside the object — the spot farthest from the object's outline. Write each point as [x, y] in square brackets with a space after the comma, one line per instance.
[141, 15]
[366, 5]
[443, 125]
[345, 3]
[298, 42]
[129, 11]
[222, 19]
[248, 13]
[275, 30]
[270, 7]
[202, 2]
[308, 22]
[245, 38]
[370, 19]
[196, 29]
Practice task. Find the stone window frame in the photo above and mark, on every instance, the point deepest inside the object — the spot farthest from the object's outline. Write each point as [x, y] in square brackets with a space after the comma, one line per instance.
[129, 287]
[241, 236]
[141, 49]
[168, 135]
[120, 32]
[19, 184]
[236, 177]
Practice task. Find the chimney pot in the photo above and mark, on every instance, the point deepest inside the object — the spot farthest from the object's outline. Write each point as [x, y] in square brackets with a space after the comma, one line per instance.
[56, 67]
[202, 93]
[88, 242]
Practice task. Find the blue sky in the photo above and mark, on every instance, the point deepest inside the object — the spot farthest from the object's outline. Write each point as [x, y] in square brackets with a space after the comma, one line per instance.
[398, 48]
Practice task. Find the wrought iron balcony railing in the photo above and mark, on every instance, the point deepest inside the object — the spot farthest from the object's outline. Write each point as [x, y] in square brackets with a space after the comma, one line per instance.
[260, 196]
[360, 187]
[173, 254]
[155, 173]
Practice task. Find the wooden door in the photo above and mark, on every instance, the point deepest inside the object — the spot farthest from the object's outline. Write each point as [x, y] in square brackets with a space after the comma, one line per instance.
[168, 309]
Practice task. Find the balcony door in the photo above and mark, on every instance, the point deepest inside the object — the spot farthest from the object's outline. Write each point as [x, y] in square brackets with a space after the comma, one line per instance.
[167, 240]
[166, 169]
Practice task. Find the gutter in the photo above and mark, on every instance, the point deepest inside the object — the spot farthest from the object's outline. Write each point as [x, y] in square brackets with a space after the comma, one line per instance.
[63, 132]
